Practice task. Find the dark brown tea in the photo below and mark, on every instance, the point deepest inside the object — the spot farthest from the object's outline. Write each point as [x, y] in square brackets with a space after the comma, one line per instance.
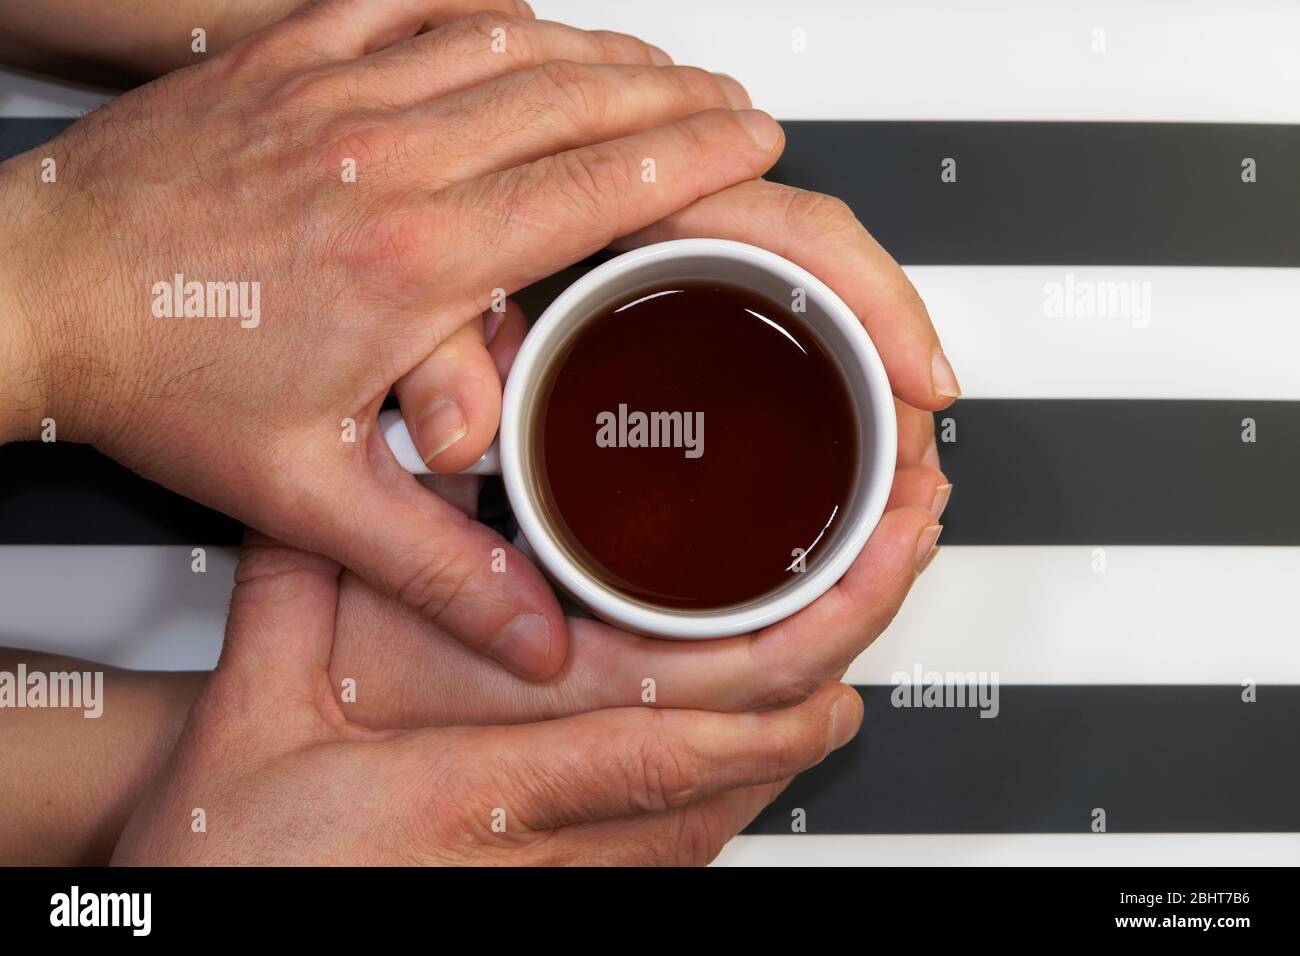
[694, 441]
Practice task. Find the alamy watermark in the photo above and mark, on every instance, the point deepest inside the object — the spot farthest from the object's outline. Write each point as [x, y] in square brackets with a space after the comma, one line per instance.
[75, 908]
[178, 299]
[624, 429]
[925, 689]
[1077, 298]
[76, 690]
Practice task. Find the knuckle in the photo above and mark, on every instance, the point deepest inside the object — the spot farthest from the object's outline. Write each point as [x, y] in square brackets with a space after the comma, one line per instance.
[265, 560]
[794, 750]
[432, 587]
[483, 22]
[817, 213]
[695, 83]
[574, 88]
[495, 208]
[256, 54]
[479, 30]
[446, 797]
[488, 793]
[368, 143]
[695, 842]
[899, 296]
[393, 243]
[451, 774]
[908, 297]
[593, 179]
[305, 92]
[686, 838]
[788, 687]
[621, 47]
[700, 136]
[662, 775]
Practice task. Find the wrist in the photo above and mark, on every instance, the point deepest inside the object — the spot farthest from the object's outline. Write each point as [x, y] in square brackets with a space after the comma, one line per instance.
[24, 372]
[71, 782]
[60, 302]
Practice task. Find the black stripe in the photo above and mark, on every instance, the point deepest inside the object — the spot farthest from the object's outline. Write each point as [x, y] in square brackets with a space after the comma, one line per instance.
[1086, 471]
[1157, 759]
[1080, 472]
[1035, 193]
[21, 133]
[1026, 472]
[61, 493]
[1060, 193]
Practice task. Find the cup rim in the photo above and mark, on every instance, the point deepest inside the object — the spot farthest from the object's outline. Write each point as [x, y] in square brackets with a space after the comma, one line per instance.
[666, 622]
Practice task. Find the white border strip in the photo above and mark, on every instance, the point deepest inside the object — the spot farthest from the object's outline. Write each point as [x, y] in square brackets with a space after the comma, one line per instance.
[1118, 331]
[1164, 60]
[25, 94]
[1042, 615]
[1016, 849]
[139, 607]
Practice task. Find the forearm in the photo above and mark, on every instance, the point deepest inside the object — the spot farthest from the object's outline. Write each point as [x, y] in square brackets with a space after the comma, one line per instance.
[123, 42]
[68, 781]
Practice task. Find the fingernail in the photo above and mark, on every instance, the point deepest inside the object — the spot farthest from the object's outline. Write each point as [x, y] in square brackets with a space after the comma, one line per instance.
[931, 457]
[844, 722]
[737, 98]
[945, 380]
[492, 320]
[929, 559]
[524, 645]
[762, 128]
[925, 545]
[941, 494]
[658, 57]
[440, 427]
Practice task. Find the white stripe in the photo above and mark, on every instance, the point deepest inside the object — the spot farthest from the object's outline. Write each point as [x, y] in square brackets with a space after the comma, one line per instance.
[1168, 332]
[136, 607]
[1035, 615]
[23, 94]
[1017, 60]
[1041, 615]
[953, 60]
[1016, 849]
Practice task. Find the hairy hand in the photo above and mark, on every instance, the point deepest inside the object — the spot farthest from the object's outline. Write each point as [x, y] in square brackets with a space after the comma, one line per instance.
[332, 206]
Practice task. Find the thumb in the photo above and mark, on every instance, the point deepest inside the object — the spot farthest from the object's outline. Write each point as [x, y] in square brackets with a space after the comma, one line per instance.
[452, 400]
[410, 544]
[280, 632]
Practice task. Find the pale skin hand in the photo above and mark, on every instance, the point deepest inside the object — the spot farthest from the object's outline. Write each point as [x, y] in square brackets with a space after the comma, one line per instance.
[408, 673]
[68, 782]
[476, 171]
[284, 777]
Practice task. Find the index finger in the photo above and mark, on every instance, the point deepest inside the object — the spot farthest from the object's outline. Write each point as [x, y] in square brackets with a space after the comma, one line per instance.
[525, 223]
[623, 762]
[821, 234]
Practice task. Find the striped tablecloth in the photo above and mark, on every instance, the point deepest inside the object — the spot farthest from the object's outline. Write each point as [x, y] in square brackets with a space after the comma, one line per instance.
[1117, 302]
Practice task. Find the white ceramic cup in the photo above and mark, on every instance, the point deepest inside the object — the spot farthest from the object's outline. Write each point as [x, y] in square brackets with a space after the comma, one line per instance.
[766, 273]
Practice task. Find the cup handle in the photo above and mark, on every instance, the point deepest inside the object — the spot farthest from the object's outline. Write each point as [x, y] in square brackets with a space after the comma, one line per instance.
[402, 446]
